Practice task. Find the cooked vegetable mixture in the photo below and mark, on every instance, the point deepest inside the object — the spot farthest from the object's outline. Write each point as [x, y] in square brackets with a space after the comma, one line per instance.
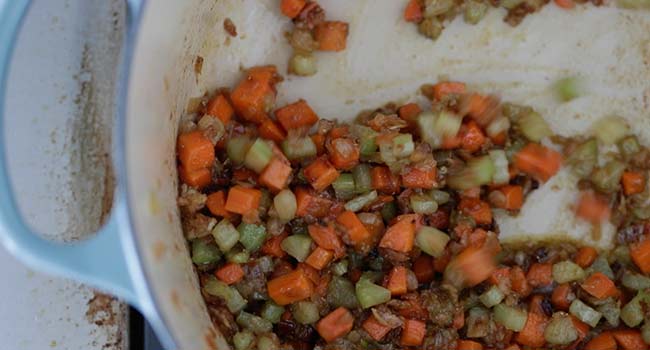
[309, 233]
[312, 32]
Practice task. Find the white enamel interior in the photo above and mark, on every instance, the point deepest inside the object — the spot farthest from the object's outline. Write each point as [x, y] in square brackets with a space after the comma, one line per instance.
[386, 60]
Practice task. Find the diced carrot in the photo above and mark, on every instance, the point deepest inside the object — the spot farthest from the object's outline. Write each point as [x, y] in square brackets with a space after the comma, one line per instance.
[292, 8]
[629, 339]
[244, 175]
[357, 232]
[413, 332]
[472, 137]
[561, 297]
[319, 141]
[540, 275]
[400, 236]
[290, 288]
[536, 305]
[296, 115]
[600, 286]
[585, 256]
[474, 192]
[463, 344]
[501, 278]
[331, 35]
[417, 178]
[216, 203]
[243, 200]
[500, 138]
[451, 142]
[220, 107]
[275, 176]
[592, 207]
[477, 107]
[375, 329]
[440, 263]
[518, 281]
[513, 347]
[230, 273]
[442, 89]
[565, 4]
[603, 341]
[320, 173]
[308, 203]
[422, 268]
[339, 131]
[397, 280]
[459, 320]
[273, 246]
[532, 334]
[344, 153]
[479, 210]
[633, 182]
[196, 178]
[326, 238]
[254, 97]
[195, 151]
[410, 111]
[640, 253]
[581, 327]
[384, 181]
[335, 325]
[470, 267]
[310, 272]
[272, 131]
[538, 161]
[319, 258]
[323, 284]
[513, 197]
[413, 11]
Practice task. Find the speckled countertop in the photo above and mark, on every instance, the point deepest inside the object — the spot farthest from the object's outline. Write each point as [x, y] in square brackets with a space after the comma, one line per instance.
[60, 111]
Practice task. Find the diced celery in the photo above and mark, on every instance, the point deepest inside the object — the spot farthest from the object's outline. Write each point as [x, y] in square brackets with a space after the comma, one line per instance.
[285, 205]
[237, 147]
[560, 330]
[340, 268]
[622, 255]
[303, 64]
[607, 179]
[426, 124]
[254, 323]
[204, 253]
[629, 147]
[534, 127]
[510, 4]
[585, 313]
[305, 312]
[510, 317]
[225, 235]
[370, 294]
[234, 301]
[569, 88]
[361, 201]
[601, 265]
[434, 8]
[478, 171]
[238, 255]
[423, 204]
[645, 332]
[299, 148]
[632, 313]
[447, 124]
[265, 263]
[431, 241]
[340, 292]
[372, 276]
[611, 310]
[366, 136]
[388, 211]
[634, 4]
[441, 197]
[567, 271]
[515, 146]
[501, 173]
[635, 281]
[362, 178]
[395, 152]
[244, 340]
[477, 322]
[492, 296]
[610, 130]
[474, 11]
[344, 186]
[258, 156]
[251, 236]
[497, 126]
[265, 342]
[298, 246]
[403, 145]
[272, 312]
[584, 158]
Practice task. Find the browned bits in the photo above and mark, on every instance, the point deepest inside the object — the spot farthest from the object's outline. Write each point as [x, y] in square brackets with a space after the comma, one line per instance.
[229, 27]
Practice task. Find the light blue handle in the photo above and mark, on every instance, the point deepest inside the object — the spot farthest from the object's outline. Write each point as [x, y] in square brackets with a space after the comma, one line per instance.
[99, 261]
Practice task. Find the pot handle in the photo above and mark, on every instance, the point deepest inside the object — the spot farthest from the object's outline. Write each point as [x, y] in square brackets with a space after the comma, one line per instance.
[100, 261]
